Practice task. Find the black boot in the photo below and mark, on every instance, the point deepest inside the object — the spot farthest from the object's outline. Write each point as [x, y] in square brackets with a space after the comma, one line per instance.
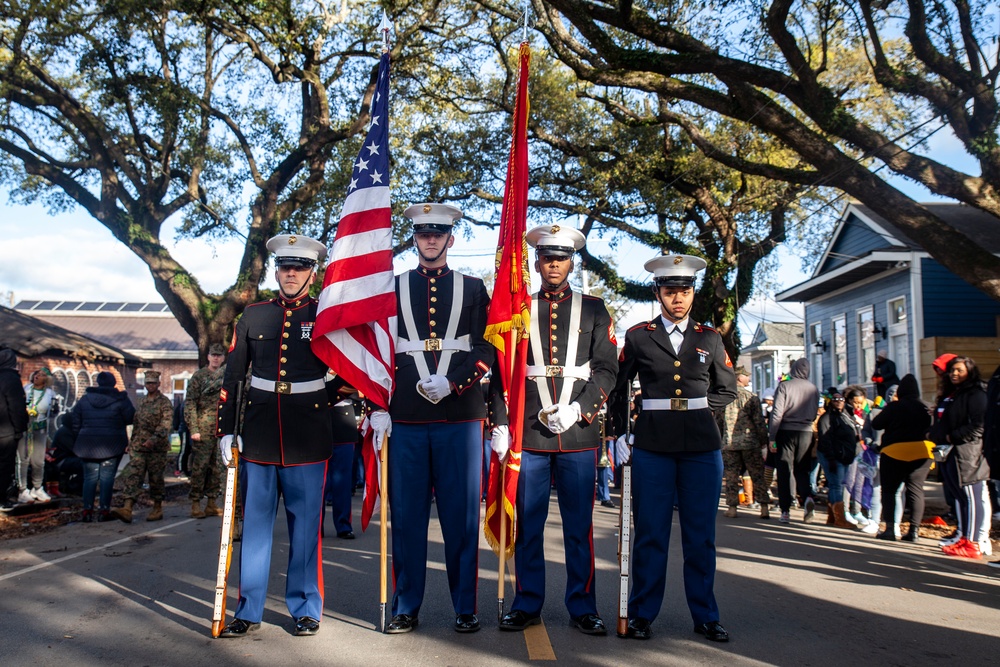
[912, 534]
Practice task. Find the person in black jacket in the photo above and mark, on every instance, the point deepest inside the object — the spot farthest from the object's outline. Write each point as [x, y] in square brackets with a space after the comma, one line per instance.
[13, 422]
[838, 442]
[959, 418]
[98, 420]
[904, 455]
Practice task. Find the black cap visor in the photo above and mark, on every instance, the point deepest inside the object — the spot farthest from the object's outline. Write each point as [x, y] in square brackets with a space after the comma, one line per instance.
[431, 228]
[562, 252]
[675, 281]
[300, 262]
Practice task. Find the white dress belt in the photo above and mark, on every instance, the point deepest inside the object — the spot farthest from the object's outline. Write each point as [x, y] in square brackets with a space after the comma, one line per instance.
[433, 345]
[577, 372]
[282, 387]
[674, 403]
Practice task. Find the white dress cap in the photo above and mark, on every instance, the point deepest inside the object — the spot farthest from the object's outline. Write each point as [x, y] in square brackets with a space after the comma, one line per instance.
[433, 217]
[554, 240]
[675, 270]
[293, 249]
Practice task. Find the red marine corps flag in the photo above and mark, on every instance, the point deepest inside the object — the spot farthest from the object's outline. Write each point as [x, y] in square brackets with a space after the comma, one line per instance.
[355, 330]
[507, 324]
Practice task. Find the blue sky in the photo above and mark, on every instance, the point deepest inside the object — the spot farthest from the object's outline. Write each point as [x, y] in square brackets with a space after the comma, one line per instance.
[71, 256]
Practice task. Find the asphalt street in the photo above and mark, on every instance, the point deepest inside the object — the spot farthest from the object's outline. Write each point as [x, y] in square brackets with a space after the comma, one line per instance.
[141, 594]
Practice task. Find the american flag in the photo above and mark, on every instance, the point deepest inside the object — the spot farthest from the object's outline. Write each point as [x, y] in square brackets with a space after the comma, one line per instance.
[355, 332]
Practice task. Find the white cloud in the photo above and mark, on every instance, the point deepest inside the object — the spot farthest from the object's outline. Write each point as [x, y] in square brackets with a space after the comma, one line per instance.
[72, 257]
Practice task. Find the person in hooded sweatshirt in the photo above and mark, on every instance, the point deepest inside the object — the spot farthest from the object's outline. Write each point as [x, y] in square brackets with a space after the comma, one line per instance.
[796, 402]
[905, 455]
[98, 420]
[13, 422]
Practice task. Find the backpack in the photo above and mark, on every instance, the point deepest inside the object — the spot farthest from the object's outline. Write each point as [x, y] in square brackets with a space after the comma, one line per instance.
[839, 443]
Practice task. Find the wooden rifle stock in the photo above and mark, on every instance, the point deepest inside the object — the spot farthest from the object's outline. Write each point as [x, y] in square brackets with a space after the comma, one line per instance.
[228, 526]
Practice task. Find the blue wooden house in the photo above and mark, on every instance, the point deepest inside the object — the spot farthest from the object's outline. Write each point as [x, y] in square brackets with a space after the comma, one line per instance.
[875, 289]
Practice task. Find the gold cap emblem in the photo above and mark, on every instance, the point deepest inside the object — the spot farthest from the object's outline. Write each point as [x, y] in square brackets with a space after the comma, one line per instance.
[678, 260]
[292, 240]
[427, 208]
[554, 230]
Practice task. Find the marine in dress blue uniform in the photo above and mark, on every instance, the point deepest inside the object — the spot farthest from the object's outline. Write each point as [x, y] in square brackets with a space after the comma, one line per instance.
[572, 365]
[286, 437]
[437, 413]
[684, 374]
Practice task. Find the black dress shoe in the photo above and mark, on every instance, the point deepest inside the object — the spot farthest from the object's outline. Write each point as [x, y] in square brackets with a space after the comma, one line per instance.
[608, 503]
[466, 623]
[590, 624]
[401, 623]
[713, 631]
[306, 626]
[346, 535]
[516, 621]
[638, 628]
[238, 628]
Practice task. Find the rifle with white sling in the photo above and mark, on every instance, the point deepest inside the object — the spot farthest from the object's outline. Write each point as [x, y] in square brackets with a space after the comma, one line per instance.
[625, 531]
[228, 524]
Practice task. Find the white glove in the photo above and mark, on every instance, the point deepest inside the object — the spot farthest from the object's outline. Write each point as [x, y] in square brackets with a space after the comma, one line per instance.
[226, 447]
[500, 442]
[382, 425]
[560, 416]
[436, 387]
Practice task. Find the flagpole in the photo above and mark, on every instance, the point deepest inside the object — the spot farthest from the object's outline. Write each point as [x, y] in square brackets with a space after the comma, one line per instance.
[383, 569]
[384, 26]
[503, 496]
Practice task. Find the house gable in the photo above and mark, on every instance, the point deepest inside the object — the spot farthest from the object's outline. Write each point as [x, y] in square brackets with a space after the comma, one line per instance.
[855, 237]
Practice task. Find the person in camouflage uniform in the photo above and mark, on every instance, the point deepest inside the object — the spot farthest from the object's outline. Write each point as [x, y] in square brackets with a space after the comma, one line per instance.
[201, 407]
[744, 435]
[148, 449]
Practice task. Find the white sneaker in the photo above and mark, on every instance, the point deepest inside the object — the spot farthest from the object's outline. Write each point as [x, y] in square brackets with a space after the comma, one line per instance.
[26, 496]
[870, 528]
[986, 547]
[898, 532]
[948, 541]
[861, 520]
[850, 518]
[40, 495]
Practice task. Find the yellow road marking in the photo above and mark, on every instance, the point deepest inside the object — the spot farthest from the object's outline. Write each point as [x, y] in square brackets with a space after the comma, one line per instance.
[536, 637]
[537, 640]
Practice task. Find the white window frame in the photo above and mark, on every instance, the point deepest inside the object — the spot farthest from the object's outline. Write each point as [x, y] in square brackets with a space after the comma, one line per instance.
[839, 382]
[865, 354]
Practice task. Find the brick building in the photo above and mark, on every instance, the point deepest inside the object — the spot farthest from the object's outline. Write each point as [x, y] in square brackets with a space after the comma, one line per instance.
[147, 331]
[73, 359]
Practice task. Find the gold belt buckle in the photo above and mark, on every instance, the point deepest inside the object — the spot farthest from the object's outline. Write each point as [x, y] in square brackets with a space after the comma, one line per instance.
[283, 387]
[432, 345]
[553, 371]
[678, 404]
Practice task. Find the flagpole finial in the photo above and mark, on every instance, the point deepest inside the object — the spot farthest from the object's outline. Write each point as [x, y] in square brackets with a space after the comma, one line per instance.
[524, 30]
[385, 26]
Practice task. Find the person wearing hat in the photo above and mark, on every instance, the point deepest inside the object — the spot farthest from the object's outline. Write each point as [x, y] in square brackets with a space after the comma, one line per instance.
[885, 373]
[147, 450]
[572, 363]
[436, 420]
[286, 437]
[201, 407]
[685, 375]
[744, 437]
